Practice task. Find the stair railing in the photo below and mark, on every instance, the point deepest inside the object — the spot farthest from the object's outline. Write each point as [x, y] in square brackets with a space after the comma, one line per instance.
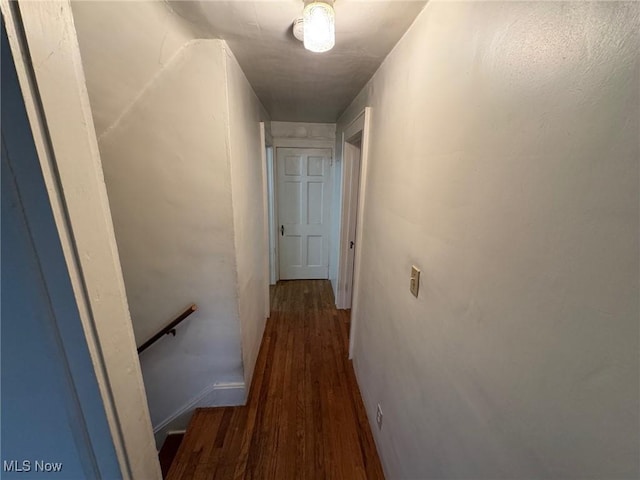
[169, 329]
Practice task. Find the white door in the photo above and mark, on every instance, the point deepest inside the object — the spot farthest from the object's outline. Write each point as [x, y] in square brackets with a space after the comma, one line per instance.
[352, 159]
[304, 200]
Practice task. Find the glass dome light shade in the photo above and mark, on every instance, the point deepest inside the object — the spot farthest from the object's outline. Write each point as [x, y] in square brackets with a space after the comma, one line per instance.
[319, 27]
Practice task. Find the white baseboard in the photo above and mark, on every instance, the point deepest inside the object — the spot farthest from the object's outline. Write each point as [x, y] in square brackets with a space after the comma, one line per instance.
[217, 395]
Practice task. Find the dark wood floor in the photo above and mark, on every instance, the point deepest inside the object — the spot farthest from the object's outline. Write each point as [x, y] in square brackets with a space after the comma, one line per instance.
[169, 451]
[304, 418]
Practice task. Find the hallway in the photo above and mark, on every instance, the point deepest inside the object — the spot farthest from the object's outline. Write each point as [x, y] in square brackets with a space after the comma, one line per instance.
[466, 172]
[304, 417]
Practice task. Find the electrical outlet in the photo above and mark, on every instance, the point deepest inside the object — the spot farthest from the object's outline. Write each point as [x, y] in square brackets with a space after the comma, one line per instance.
[379, 417]
[414, 284]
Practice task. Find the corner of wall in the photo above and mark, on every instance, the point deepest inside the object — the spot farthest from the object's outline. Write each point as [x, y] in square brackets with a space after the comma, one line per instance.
[165, 67]
[236, 104]
[227, 56]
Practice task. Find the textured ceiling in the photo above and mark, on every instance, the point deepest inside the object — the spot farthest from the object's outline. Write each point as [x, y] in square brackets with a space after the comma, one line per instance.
[292, 83]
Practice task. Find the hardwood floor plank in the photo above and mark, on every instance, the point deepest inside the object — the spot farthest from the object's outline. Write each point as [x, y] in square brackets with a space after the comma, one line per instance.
[314, 465]
[304, 417]
[299, 384]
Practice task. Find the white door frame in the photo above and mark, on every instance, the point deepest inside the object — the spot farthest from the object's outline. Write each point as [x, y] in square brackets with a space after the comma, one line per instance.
[265, 216]
[358, 126]
[273, 220]
[45, 48]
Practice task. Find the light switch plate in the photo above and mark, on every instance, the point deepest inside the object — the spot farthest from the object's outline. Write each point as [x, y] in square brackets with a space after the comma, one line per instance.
[414, 286]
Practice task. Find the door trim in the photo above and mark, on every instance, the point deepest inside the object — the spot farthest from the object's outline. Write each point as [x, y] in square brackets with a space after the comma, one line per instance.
[273, 220]
[265, 216]
[358, 126]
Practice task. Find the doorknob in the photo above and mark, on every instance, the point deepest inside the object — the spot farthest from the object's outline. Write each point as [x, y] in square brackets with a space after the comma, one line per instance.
[351, 244]
[282, 230]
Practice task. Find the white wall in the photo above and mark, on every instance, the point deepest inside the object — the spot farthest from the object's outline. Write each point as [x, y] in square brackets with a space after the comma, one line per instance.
[245, 114]
[504, 162]
[124, 45]
[169, 183]
[304, 131]
[182, 162]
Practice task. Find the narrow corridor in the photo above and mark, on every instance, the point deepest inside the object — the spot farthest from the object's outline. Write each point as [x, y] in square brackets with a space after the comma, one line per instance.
[304, 417]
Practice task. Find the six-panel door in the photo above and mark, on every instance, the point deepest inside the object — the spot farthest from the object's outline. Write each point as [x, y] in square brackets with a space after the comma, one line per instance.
[304, 199]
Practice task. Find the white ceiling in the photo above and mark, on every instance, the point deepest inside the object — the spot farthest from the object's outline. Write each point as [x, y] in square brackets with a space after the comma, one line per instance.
[292, 83]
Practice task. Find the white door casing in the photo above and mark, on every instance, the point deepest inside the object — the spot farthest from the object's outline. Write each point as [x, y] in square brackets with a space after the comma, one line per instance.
[357, 128]
[273, 218]
[304, 202]
[266, 226]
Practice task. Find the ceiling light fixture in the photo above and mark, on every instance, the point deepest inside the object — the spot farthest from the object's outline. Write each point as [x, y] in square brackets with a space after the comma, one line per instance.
[319, 26]
[298, 28]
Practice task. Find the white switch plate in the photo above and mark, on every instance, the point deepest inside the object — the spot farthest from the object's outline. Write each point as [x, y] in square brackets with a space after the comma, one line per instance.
[414, 286]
